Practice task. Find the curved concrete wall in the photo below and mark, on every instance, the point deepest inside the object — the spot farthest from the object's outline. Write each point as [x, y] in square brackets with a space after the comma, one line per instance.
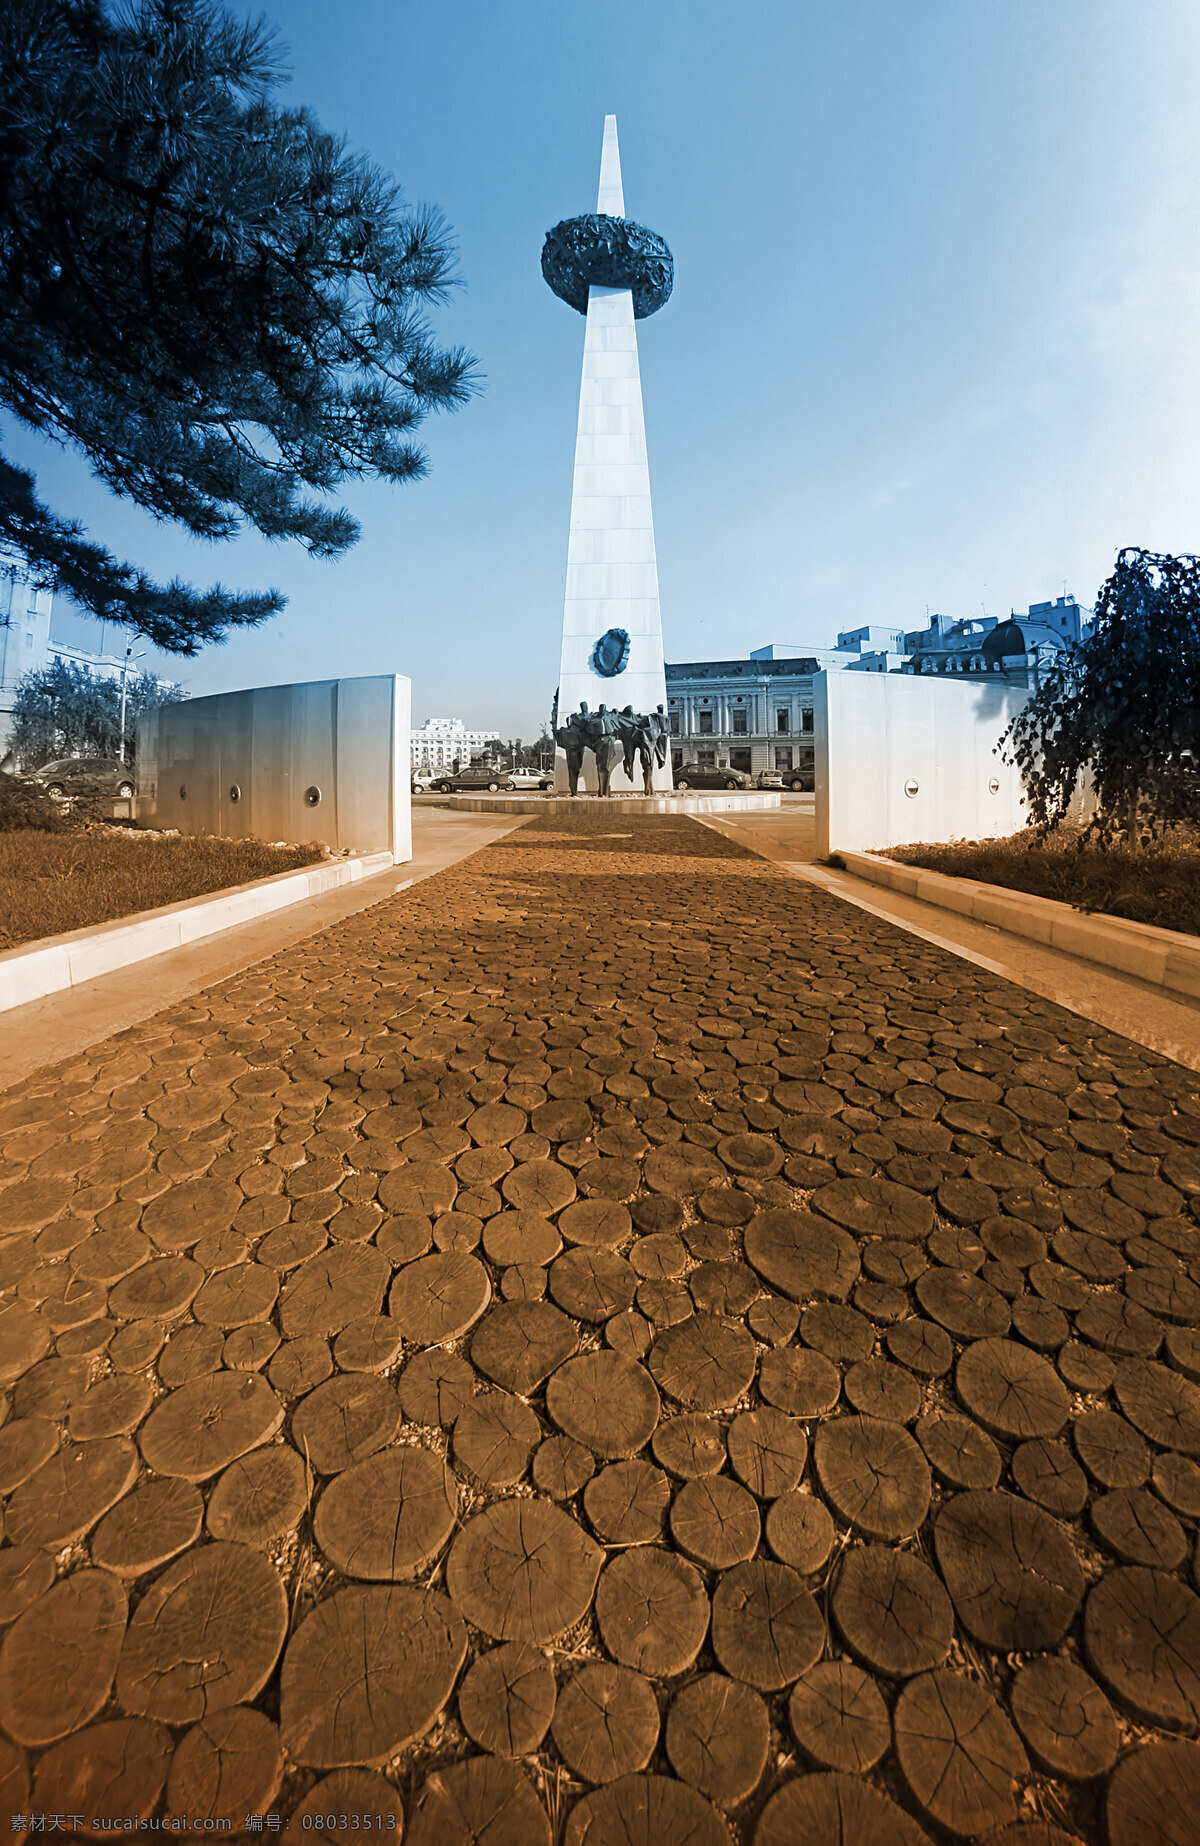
[323, 760]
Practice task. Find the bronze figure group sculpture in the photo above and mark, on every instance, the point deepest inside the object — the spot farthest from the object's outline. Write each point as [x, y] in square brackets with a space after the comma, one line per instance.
[613, 737]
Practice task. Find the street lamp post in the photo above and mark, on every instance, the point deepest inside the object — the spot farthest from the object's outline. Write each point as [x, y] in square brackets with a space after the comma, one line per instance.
[129, 655]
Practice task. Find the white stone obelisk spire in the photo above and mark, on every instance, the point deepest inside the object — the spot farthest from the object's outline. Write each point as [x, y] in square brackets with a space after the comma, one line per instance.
[612, 573]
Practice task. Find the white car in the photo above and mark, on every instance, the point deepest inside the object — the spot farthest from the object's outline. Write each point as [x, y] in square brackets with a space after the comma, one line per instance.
[531, 778]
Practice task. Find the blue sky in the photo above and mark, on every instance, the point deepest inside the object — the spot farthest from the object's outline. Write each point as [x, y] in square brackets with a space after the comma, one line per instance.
[934, 341]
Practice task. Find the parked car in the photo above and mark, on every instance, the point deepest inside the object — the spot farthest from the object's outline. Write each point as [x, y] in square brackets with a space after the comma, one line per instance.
[422, 782]
[795, 779]
[85, 775]
[708, 775]
[450, 781]
[532, 778]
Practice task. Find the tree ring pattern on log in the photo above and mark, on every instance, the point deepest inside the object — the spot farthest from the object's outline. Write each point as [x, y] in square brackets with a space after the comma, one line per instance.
[365, 1673]
[874, 1474]
[892, 1611]
[604, 1401]
[958, 1752]
[387, 1518]
[521, 1570]
[1012, 1576]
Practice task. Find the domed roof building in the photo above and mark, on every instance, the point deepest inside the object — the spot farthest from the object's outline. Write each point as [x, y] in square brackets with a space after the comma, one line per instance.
[1018, 652]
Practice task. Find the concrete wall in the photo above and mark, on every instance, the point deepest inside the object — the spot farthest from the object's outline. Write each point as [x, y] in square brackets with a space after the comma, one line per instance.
[901, 758]
[327, 760]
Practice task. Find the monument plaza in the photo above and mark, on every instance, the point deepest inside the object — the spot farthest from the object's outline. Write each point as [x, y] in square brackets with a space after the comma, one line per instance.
[676, 1358]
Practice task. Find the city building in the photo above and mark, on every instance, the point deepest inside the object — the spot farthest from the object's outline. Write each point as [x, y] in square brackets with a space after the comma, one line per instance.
[1018, 651]
[756, 714]
[24, 638]
[859, 650]
[27, 644]
[443, 742]
[872, 649]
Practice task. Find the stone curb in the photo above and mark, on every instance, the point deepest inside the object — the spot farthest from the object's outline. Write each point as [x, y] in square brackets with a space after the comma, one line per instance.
[1162, 956]
[59, 962]
[626, 804]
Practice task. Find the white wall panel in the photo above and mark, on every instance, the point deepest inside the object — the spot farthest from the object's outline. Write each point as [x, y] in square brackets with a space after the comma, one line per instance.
[903, 758]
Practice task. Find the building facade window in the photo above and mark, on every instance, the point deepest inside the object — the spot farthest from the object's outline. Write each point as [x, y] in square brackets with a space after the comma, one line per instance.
[783, 756]
[806, 720]
[743, 705]
[674, 724]
[706, 756]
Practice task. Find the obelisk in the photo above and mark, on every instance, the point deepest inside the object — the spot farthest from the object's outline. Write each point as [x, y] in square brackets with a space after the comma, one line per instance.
[611, 615]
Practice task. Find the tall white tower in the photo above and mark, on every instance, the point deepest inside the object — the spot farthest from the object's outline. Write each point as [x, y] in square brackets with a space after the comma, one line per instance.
[612, 572]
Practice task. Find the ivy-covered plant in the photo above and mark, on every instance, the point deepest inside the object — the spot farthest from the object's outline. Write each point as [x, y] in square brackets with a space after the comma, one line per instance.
[1122, 710]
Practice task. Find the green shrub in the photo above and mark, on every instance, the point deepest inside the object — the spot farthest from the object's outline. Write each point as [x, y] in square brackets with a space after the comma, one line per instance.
[1123, 708]
[25, 805]
[1157, 883]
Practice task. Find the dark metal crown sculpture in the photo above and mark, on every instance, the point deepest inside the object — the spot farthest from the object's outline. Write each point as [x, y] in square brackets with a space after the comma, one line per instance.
[604, 252]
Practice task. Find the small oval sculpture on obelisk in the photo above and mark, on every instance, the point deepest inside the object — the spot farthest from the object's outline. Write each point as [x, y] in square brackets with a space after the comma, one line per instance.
[616, 272]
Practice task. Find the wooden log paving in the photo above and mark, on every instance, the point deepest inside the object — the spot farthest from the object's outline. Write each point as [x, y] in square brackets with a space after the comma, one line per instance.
[668, 1359]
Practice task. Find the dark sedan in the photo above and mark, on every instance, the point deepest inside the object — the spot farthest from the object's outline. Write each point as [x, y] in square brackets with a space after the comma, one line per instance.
[708, 775]
[458, 781]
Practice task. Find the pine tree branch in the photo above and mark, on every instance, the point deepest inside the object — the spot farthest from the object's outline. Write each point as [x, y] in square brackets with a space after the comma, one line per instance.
[174, 617]
[216, 301]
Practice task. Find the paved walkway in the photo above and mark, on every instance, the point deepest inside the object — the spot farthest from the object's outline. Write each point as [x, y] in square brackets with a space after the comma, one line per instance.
[671, 1358]
[64, 1024]
[1137, 1009]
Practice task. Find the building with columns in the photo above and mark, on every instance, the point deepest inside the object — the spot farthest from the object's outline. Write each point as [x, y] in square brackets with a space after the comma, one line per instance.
[754, 714]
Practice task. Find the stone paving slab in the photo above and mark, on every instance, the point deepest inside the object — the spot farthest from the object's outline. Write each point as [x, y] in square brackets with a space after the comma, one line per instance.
[674, 1358]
